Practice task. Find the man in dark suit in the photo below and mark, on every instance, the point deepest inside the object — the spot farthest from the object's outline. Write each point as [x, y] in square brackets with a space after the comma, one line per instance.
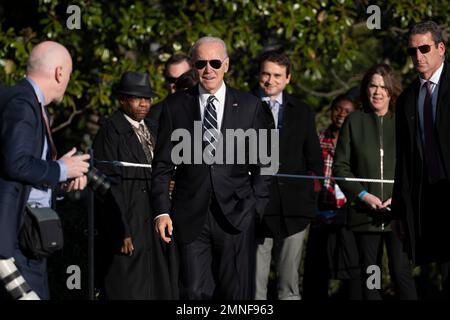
[213, 204]
[423, 152]
[292, 201]
[133, 262]
[177, 70]
[28, 167]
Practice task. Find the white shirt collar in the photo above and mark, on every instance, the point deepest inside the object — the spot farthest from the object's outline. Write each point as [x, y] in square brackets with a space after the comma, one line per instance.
[278, 99]
[220, 94]
[435, 77]
[134, 123]
[40, 95]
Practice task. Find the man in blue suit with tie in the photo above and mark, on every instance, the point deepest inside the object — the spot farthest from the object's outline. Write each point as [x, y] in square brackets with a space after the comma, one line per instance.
[29, 170]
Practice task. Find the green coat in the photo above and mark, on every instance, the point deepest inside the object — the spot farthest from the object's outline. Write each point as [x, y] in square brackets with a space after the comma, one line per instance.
[358, 155]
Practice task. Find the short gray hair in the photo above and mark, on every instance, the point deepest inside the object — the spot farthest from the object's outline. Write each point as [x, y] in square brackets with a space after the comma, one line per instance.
[204, 40]
[425, 27]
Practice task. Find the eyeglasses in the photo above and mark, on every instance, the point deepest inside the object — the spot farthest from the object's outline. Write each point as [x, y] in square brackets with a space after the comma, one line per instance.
[423, 49]
[215, 63]
[171, 80]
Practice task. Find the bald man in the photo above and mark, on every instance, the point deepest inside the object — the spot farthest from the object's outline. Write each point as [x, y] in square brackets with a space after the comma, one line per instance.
[29, 170]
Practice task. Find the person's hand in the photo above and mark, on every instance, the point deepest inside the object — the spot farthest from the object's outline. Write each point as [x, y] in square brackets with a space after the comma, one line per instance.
[77, 165]
[75, 184]
[161, 224]
[387, 203]
[372, 201]
[171, 186]
[127, 246]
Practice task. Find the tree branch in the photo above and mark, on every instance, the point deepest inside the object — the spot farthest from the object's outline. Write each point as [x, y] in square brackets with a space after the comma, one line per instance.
[333, 93]
[342, 82]
[68, 121]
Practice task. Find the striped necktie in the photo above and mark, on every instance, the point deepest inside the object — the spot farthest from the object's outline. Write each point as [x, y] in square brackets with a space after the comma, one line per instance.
[210, 131]
[145, 140]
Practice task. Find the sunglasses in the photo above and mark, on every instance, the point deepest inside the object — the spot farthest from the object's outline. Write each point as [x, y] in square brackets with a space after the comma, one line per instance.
[171, 80]
[423, 49]
[215, 63]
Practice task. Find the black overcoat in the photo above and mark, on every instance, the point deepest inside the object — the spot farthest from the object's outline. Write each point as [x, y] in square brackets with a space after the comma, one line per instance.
[151, 272]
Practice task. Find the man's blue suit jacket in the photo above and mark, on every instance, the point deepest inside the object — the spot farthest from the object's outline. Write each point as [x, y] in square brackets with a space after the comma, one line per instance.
[22, 134]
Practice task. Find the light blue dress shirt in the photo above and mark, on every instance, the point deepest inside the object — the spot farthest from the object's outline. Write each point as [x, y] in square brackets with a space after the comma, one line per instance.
[40, 196]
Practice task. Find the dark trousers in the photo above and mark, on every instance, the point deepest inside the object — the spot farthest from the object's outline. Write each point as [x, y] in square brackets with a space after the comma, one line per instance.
[444, 268]
[370, 246]
[35, 274]
[330, 254]
[219, 263]
[433, 236]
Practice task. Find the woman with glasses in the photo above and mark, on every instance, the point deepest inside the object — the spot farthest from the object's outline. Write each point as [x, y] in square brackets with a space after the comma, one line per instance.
[366, 149]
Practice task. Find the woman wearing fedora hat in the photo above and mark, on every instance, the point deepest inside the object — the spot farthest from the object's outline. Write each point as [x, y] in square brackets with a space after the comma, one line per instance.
[132, 261]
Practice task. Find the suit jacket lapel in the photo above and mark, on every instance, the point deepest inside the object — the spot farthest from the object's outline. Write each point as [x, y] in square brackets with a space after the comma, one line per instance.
[441, 107]
[412, 114]
[230, 111]
[131, 140]
[193, 104]
[286, 125]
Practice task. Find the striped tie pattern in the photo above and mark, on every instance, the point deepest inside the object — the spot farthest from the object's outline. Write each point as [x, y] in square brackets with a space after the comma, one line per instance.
[210, 131]
[145, 140]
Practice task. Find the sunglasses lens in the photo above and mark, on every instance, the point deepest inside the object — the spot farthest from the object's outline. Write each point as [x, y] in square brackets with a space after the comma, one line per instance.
[171, 79]
[425, 48]
[200, 64]
[216, 64]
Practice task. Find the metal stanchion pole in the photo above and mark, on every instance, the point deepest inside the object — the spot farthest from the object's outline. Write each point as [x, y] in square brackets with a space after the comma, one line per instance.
[91, 235]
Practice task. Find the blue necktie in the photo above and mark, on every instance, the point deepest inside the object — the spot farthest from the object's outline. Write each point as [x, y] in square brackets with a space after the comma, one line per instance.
[274, 104]
[210, 132]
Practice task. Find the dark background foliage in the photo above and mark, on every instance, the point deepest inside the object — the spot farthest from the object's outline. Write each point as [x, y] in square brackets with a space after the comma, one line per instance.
[328, 41]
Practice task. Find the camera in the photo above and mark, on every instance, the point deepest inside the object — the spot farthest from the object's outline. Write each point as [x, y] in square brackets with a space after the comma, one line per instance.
[14, 283]
[98, 181]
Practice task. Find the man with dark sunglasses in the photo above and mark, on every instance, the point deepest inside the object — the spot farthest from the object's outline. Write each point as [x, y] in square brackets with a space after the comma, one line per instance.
[214, 205]
[422, 181]
[175, 67]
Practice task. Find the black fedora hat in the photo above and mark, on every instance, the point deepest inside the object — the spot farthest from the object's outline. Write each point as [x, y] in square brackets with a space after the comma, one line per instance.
[135, 84]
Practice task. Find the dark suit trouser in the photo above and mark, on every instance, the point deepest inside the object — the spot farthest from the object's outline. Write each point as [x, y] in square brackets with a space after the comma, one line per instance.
[318, 263]
[218, 264]
[433, 240]
[35, 274]
[370, 247]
